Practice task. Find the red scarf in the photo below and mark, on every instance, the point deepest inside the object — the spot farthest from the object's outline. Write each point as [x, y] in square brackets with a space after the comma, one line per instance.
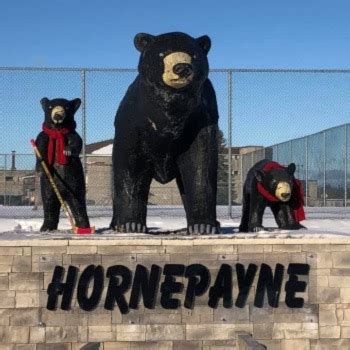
[297, 197]
[57, 142]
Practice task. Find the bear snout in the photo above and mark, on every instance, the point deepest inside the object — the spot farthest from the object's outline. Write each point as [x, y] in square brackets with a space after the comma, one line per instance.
[183, 70]
[178, 70]
[58, 114]
[283, 191]
[285, 196]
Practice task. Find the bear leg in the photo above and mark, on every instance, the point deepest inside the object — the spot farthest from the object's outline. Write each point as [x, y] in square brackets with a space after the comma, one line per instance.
[284, 217]
[279, 214]
[292, 224]
[243, 227]
[51, 206]
[198, 182]
[130, 197]
[256, 213]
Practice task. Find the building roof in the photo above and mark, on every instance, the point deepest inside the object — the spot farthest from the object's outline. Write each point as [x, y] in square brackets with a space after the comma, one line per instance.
[92, 147]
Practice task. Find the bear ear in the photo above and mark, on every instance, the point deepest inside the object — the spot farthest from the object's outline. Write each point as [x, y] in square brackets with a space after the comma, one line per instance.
[204, 42]
[291, 169]
[259, 175]
[76, 103]
[141, 40]
[44, 101]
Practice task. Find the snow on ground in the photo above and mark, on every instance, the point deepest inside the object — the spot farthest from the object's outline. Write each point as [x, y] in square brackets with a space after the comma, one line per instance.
[322, 222]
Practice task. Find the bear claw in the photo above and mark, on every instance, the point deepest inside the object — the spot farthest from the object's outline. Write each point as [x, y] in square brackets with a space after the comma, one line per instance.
[257, 229]
[295, 226]
[130, 227]
[46, 228]
[202, 229]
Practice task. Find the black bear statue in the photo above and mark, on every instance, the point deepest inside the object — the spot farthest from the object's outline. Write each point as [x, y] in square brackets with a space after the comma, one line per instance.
[166, 128]
[269, 184]
[60, 146]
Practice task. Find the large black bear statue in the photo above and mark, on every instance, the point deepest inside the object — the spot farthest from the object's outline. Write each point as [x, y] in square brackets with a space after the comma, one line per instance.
[60, 146]
[166, 128]
[269, 184]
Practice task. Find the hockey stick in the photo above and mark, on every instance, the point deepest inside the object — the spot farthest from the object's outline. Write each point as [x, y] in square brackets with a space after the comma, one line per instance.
[67, 211]
[54, 187]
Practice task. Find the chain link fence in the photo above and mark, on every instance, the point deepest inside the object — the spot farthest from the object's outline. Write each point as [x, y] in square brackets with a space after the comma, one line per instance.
[257, 108]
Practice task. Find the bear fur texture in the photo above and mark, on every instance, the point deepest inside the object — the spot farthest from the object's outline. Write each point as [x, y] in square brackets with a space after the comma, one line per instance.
[270, 184]
[60, 146]
[166, 128]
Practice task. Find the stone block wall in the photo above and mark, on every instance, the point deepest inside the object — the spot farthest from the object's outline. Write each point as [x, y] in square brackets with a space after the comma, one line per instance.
[26, 269]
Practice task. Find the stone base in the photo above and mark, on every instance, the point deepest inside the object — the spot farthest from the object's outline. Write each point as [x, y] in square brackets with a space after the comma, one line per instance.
[27, 265]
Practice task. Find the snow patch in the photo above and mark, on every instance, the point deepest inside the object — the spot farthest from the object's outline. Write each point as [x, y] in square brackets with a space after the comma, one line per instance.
[321, 222]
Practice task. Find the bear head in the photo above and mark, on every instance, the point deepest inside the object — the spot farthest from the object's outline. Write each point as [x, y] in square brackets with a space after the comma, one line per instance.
[173, 60]
[278, 182]
[59, 112]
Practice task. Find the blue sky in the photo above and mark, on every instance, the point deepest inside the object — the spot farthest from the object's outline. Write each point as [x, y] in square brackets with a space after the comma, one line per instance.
[245, 33]
[267, 107]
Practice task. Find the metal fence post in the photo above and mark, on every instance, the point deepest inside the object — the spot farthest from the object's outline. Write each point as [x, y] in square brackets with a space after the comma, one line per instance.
[229, 142]
[83, 114]
[306, 171]
[346, 168]
[324, 168]
[5, 189]
[241, 177]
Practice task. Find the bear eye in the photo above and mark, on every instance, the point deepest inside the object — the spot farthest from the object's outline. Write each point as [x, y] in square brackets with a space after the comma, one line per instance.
[161, 54]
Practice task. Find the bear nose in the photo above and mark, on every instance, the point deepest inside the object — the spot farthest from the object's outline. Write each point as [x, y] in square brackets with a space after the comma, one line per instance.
[58, 116]
[285, 195]
[183, 70]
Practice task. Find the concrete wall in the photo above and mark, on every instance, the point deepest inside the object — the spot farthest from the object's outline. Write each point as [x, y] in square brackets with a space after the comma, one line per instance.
[26, 268]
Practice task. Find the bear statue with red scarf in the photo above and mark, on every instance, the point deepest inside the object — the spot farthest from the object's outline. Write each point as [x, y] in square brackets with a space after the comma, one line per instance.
[60, 146]
[269, 184]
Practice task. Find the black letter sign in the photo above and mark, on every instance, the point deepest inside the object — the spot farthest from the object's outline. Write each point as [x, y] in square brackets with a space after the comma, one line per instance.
[293, 285]
[271, 284]
[222, 288]
[170, 286]
[116, 289]
[245, 281]
[198, 282]
[95, 273]
[145, 286]
[57, 287]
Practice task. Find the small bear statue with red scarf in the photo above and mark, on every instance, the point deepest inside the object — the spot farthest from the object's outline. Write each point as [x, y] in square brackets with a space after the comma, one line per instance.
[60, 146]
[269, 184]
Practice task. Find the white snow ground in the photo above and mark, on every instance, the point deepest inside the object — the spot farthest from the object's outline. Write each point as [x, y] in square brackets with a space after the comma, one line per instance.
[320, 222]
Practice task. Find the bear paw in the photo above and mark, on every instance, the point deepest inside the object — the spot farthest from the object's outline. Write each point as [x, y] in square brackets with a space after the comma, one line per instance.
[256, 229]
[130, 227]
[48, 227]
[203, 229]
[295, 226]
